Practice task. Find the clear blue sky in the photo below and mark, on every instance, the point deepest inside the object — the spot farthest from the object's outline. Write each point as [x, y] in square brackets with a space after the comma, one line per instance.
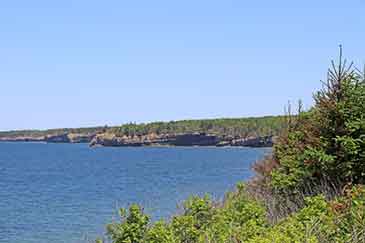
[84, 63]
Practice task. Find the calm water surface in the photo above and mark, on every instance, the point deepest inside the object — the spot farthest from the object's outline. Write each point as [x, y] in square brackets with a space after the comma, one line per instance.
[53, 193]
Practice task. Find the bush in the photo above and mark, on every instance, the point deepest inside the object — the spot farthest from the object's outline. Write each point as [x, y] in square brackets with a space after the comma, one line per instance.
[241, 219]
[328, 141]
[160, 232]
[341, 220]
[132, 227]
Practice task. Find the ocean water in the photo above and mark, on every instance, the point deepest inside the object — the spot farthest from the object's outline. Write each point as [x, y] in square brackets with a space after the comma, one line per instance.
[66, 193]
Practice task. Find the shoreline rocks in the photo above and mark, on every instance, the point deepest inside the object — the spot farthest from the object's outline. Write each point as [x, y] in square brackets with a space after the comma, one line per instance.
[266, 141]
[69, 138]
[53, 138]
[184, 139]
[22, 139]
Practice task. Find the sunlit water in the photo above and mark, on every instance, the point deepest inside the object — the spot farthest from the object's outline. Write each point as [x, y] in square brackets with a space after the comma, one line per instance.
[53, 193]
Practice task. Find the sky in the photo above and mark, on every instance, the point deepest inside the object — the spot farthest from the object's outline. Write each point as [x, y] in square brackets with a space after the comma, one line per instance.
[85, 63]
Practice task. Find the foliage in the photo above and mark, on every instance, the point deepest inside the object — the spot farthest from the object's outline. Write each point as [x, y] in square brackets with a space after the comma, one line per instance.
[329, 140]
[241, 219]
[237, 218]
[255, 126]
[160, 232]
[132, 227]
[341, 220]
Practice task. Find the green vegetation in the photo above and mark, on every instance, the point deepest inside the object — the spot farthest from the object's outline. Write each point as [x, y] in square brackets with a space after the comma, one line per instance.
[309, 190]
[327, 142]
[255, 126]
[241, 219]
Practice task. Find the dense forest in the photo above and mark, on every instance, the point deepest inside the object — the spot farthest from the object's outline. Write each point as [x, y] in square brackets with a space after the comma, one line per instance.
[309, 190]
[255, 126]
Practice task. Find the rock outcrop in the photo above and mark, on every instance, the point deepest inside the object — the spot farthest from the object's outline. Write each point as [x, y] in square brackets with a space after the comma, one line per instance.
[58, 138]
[266, 141]
[69, 138]
[80, 138]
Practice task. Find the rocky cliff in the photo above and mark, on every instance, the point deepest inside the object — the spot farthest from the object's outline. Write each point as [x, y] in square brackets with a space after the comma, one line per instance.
[188, 139]
[69, 138]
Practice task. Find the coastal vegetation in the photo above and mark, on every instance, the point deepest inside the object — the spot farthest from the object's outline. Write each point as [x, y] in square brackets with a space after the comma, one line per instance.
[252, 132]
[254, 126]
[310, 189]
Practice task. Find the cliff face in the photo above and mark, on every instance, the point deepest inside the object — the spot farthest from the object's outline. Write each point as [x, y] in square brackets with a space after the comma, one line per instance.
[59, 138]
[189, 139]
[195, 139]
[80, 138]
[69, 138]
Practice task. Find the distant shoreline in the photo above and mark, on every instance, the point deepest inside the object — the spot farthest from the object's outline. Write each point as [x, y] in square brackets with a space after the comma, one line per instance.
[224, 132]
[182, 140]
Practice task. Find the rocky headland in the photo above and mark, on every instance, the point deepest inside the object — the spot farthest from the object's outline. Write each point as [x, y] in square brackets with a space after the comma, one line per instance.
[187, 139]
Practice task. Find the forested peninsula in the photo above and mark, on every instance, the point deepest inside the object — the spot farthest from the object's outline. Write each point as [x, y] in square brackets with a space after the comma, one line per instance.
[252, 132]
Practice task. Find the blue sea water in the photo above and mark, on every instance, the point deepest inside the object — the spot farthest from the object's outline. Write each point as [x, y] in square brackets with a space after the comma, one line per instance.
[66, 193]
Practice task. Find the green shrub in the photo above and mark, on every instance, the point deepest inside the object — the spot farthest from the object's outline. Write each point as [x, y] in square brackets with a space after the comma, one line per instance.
[200, 209]
[329, 140]
[160, 232]
[184, 229]
[132, 227]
